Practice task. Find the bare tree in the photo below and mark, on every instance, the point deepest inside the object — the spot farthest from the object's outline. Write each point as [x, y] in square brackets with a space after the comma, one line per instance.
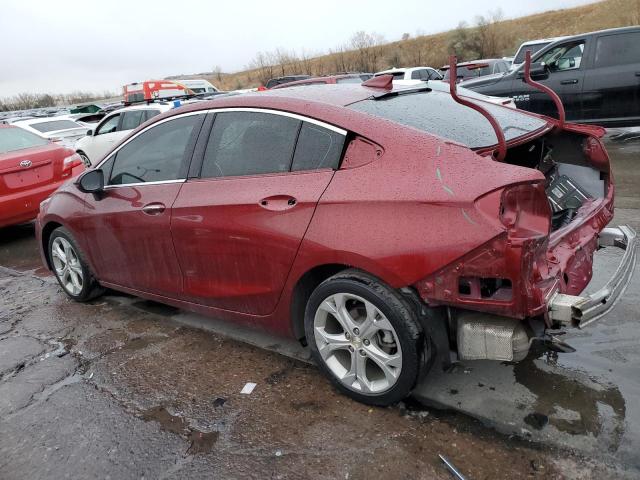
[367, 49]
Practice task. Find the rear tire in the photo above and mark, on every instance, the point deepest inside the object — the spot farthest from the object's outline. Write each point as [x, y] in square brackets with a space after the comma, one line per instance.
[366, 338]
[70, 268]
[85, 159]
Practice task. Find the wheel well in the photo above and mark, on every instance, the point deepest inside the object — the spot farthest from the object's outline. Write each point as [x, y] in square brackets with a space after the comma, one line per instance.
[303, 290]
[46, 233]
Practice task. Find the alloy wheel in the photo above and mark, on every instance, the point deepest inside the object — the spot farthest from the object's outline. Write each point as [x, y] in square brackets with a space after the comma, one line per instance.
[67, 265]
[357, 343]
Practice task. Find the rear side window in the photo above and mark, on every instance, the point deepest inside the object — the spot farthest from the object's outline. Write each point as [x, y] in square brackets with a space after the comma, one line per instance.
[620, 49]
[132, 119]
[12, 139]
[156, 154]
[249, 143]
[317, 148]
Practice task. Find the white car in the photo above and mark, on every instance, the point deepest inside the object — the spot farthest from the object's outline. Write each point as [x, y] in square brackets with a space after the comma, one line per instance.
[411, 76]
[57, 129]
[113, 128]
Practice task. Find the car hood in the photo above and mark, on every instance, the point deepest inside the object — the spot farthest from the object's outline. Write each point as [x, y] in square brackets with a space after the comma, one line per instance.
[482, 81]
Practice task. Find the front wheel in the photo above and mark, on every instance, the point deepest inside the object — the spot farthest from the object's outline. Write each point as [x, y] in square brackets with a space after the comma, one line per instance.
[365, 337]
[70, 268]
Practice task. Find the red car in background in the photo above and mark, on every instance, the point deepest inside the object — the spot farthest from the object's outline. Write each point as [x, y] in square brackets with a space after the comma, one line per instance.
[31, 168]
[386, 228]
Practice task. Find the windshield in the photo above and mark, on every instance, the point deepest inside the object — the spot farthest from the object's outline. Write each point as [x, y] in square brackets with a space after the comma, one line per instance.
[55, 125]
[535, 47]
[12, 139]
[439, 114]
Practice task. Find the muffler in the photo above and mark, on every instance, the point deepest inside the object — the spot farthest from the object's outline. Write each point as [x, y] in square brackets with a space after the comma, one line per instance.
[482, 336]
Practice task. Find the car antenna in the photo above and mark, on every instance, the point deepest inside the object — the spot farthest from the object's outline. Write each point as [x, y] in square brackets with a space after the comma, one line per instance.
[543, 88]
[453, 72]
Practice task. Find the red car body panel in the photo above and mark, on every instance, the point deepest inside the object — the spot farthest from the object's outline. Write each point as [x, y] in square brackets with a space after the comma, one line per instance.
[411, 208]
[24, 185]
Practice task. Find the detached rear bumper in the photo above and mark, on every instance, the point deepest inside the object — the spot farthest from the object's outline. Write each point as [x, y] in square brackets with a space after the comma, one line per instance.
[579, 311]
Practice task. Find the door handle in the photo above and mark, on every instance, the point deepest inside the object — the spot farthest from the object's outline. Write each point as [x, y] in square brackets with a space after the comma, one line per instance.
[278, 202]
[153, 209]
[573, 81]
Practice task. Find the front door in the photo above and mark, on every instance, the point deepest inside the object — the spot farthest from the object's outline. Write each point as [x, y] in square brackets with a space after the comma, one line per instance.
[566, 78]
[237, 228]
[128, 227]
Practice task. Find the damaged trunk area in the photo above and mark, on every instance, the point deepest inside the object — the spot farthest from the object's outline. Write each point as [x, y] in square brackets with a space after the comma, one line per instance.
[576, 170]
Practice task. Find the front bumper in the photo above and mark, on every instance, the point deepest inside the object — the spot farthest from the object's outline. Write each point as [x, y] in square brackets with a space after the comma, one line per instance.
[578, 311]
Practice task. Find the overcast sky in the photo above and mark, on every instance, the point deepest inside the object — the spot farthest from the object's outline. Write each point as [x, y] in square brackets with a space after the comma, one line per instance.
[65, 45]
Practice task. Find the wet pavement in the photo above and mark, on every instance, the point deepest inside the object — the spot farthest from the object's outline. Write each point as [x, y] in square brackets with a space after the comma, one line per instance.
[125, 388]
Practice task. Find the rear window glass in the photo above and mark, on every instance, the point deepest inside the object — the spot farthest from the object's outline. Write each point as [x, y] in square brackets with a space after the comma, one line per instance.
[317, 148]
[55, 125]
[621, 49]
[437, 113]
[12, 139]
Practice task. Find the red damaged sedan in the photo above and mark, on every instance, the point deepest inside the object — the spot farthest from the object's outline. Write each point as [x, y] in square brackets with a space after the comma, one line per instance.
[388, 229]
[31, 168]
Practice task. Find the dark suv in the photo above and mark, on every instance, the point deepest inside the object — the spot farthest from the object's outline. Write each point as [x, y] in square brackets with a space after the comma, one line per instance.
[597, 76]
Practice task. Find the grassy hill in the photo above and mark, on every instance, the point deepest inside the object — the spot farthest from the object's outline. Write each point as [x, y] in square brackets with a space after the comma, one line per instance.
[497, 38]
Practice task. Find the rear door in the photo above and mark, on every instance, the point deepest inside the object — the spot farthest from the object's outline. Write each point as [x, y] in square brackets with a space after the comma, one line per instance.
[127, 228]
[612, 87]
[237, 227]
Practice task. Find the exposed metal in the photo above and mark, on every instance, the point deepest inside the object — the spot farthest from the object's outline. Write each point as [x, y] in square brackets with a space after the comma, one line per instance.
[483, 336]
[502, 143]
[358, 343]
[451, 467]
[543, 88]
[580, 311]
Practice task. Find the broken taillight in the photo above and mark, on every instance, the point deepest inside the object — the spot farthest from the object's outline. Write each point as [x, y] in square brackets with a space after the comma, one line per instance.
[525, 210]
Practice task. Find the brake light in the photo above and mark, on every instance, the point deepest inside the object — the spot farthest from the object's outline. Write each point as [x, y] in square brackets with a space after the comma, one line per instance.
[525, 210]
[71, 161]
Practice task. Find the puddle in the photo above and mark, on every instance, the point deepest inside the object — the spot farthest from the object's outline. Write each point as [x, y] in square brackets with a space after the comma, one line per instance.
[571, 403]
[200, 442]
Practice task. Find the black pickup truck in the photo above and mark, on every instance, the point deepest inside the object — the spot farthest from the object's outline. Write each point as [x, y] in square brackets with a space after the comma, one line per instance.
[597, 76]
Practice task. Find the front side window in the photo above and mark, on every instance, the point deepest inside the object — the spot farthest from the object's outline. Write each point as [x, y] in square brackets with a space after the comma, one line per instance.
[567, 56]
[317, 148]
[533, 48]
[155, 155]
[249, 143]
[621, 49]
[109, 126]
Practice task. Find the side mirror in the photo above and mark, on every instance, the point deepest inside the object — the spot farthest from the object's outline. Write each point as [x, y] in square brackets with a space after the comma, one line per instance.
[89, 133]
[91, 181]
[539, 71]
